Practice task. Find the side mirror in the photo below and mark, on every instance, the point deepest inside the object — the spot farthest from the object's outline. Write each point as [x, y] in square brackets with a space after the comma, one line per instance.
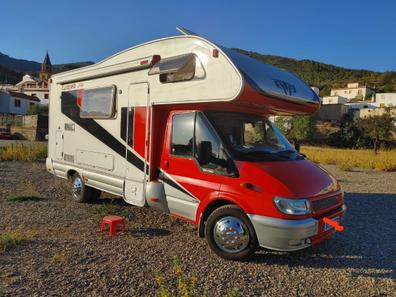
[204, 152]
[297, 146]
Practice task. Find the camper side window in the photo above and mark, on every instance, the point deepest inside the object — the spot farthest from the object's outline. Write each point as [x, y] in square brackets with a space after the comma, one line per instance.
[183, 134]
[98, 103]
[178, 68]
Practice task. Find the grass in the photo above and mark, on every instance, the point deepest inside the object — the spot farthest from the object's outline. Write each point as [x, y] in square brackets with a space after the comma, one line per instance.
[20, 152]
[29, 193]
[186, 286]
[21, 198]
[60, 257]
[348, 159]
[9, 239]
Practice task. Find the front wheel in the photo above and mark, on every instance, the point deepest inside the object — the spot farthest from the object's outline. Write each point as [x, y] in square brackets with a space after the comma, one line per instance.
[230, 233]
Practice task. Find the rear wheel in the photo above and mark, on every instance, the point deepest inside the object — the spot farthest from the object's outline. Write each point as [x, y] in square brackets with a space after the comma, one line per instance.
[230, 233]
[82, 193]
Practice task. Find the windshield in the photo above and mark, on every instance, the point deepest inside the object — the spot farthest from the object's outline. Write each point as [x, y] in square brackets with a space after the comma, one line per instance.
[251, 137]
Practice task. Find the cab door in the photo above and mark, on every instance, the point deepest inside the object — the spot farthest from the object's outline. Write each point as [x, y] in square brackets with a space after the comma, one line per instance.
[187, 182]
[137, 144]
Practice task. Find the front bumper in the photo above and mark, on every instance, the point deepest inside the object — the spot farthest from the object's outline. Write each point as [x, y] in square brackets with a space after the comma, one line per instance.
[289, 235]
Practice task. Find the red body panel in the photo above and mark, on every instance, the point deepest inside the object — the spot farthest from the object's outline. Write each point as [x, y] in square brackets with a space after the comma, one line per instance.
[252, 99]
[139, 130]
[291, 179]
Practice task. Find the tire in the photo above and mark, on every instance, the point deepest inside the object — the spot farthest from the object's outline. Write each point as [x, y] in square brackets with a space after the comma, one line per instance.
[82, 193]
[231, 216]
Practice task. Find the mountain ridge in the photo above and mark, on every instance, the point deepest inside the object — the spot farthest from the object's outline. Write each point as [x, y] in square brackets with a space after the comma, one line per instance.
[318, 74]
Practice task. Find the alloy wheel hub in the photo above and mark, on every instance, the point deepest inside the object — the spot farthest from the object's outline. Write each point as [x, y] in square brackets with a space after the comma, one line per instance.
[77, 187]
[231, 235]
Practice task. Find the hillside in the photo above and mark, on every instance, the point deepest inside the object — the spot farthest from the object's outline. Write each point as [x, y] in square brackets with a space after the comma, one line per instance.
[325, 76]
[8, 76]
[18, 65]
[12, 70]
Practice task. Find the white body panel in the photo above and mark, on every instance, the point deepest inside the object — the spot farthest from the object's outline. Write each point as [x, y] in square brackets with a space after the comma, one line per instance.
[222, 81]
[72, 148]
[135, 180]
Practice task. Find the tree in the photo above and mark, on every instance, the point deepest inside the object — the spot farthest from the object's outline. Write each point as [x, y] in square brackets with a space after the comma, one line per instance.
[296, 128]
[38, 109]
[350, 134]
[378, 128]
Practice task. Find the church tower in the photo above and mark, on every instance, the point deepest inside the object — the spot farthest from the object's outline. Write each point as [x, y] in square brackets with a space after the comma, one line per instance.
[46, 69]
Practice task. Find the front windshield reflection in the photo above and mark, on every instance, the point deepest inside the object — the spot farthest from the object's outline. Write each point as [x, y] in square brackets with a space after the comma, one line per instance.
[249, 135]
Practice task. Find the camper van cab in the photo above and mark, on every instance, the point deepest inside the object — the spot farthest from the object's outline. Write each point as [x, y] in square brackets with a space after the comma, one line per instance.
[182, 125]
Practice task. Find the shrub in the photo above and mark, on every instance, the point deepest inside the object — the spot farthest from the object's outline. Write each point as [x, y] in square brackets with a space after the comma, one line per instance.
[10, 239]
[186, 287]
[19, 152]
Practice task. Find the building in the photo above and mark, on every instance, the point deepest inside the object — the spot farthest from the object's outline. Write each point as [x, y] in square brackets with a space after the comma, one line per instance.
[360, 105]
[16, 103]
[334, 100]
[36, 87]
[352, 91]
[331, 112]
[367, 112]
[385, 99]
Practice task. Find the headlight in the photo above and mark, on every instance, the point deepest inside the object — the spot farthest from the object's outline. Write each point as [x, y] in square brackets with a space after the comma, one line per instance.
[293, 206]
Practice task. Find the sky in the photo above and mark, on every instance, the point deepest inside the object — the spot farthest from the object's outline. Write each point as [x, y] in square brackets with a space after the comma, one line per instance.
[349, 33]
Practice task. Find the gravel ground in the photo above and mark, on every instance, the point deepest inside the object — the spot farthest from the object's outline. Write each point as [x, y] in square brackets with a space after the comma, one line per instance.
[65, 255]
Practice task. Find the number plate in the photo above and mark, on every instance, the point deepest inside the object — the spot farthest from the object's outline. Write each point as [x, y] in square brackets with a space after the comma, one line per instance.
[327, 227]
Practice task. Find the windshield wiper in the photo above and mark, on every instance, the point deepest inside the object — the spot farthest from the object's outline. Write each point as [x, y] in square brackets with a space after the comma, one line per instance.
[289, 151]
[267, 153]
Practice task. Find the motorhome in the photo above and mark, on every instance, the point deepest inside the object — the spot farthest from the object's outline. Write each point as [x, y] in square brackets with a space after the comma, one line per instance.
[181, 124]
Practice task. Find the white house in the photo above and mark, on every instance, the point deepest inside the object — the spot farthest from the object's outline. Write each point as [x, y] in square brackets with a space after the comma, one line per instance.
[385, 99]
[16, 103]
[334, 100]
[352, 91]
[36, 87]
[32, 86]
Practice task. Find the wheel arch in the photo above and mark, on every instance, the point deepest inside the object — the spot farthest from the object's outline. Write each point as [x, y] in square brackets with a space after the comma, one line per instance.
[208, 209]
[70, 173]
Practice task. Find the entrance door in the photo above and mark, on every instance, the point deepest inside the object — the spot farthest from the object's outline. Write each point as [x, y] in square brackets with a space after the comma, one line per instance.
[59, 144]
[136, 165]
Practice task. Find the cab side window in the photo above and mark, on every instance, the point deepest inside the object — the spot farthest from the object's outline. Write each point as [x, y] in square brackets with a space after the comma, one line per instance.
[194, 137]
[183, 134]
[208, 150]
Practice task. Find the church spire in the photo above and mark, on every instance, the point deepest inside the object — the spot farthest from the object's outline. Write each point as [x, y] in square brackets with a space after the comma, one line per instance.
[46, 68]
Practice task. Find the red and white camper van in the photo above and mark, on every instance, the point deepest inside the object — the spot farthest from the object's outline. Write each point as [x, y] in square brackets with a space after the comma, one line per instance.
[181, 124]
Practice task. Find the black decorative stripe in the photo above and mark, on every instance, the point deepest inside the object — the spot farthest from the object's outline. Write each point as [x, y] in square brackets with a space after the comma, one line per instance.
[71, 110]
[171, 183]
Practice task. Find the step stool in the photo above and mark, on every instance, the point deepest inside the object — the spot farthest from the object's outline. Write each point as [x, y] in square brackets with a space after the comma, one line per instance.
[113, 221]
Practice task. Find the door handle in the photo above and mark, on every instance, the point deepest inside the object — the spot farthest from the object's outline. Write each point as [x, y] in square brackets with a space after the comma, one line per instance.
[166, 164]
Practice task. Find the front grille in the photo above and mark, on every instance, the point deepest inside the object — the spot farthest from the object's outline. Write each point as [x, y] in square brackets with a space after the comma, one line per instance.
[324, 203]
